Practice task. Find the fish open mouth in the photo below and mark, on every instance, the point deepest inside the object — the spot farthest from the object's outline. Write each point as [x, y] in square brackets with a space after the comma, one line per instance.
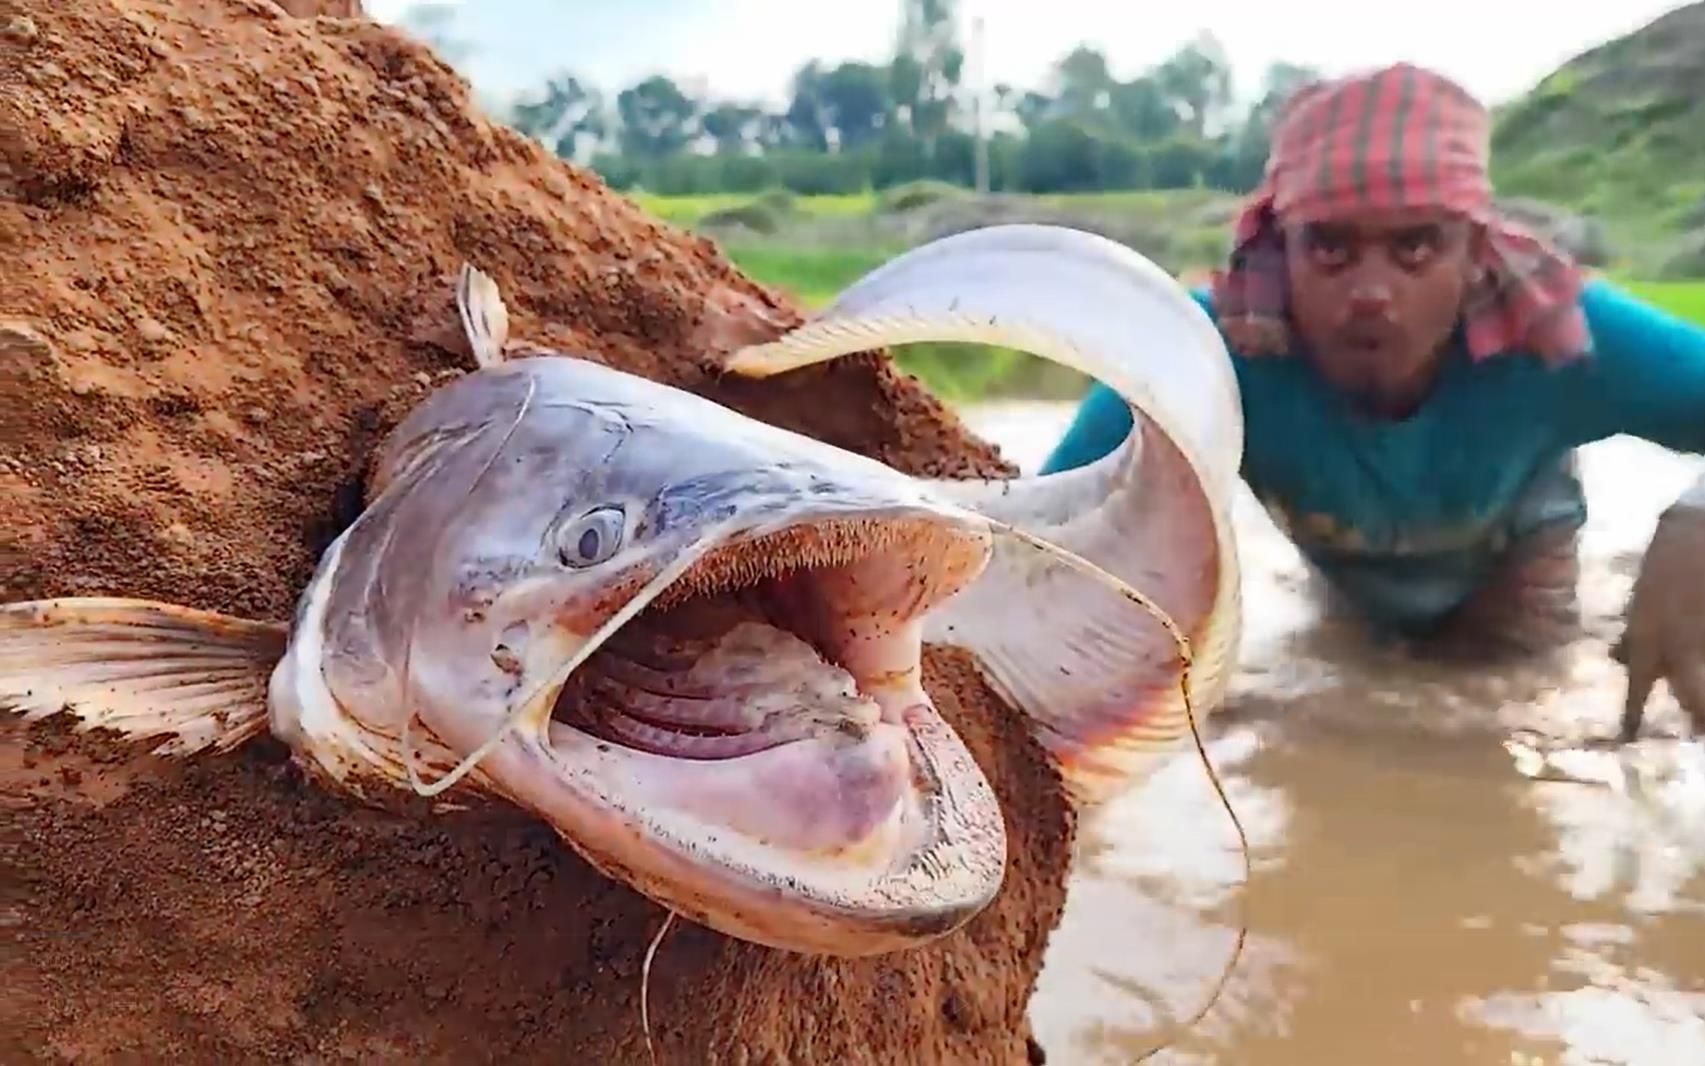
[776, 638]
[807, 638]
[769, 761]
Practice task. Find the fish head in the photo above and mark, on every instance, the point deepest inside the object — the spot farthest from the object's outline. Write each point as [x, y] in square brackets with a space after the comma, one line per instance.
[698, 638]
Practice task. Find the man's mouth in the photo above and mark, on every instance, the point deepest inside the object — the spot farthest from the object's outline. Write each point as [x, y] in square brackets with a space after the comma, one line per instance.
[1369, 339]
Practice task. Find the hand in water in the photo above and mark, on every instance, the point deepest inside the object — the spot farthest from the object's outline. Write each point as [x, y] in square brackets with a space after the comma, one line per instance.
[1665, 633]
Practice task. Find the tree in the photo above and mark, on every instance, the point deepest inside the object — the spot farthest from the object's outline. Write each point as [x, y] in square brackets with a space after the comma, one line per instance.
[566, 114]
[1061, 155]
[854, 124]
[1279, 85]
[1083, 85]
[1033, 108]
[1254, 140]
[1180, 162]
[1141, 109]
[731, 126]
[928, 61]
[773, 131]
[806, 124]
[657, 118]
[855, 102]
[1198, 78]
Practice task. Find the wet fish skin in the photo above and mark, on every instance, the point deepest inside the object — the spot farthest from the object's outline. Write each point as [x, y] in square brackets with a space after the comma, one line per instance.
[1103, 603]
[514, 516]
[1664, 636]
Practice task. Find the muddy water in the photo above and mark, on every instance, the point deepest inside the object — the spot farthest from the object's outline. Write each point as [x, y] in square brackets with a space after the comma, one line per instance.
[1446, 870]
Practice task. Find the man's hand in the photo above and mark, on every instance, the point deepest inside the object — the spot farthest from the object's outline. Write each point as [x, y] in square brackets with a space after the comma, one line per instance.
[1665, 632]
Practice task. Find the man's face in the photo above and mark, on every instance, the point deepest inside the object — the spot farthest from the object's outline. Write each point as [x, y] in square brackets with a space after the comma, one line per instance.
[1376, 295]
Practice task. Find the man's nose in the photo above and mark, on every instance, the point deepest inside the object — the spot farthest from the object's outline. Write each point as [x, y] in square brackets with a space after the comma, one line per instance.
[1371, 293]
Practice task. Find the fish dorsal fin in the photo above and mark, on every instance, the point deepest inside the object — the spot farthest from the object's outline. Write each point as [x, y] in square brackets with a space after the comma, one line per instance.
[485, 318]
[1098, 676]
[140, 669]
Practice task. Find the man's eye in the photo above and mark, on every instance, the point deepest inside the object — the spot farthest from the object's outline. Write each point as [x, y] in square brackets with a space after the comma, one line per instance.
[1414, 247]
[1328, 250]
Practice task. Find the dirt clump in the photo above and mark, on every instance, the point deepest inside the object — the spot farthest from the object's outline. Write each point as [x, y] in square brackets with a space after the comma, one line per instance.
[229, 234]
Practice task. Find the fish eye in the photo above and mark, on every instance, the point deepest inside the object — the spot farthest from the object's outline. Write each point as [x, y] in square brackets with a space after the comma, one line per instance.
[591, 538]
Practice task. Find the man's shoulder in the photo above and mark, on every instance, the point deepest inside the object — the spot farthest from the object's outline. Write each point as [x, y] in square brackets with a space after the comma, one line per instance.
[1610, 306]
[1204, 298]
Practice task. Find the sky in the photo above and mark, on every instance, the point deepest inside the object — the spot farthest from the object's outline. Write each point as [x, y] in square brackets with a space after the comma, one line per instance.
[748, 49]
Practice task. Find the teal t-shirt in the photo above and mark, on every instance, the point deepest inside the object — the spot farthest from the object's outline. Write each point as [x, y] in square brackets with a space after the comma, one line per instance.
[1408, 517]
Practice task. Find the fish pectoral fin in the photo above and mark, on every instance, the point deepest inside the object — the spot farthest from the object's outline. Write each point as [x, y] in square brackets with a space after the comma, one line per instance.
[140, 669]
[485, 317]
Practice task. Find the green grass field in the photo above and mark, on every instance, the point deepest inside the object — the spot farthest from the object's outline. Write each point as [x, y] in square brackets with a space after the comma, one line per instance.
[686, 210]
[1685, 299]
[957, 373]
[962, 373]
[811, 275]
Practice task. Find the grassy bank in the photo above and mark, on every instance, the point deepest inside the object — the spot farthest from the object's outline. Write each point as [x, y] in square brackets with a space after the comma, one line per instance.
[958, 373]
[812, 247]
[1683, 298]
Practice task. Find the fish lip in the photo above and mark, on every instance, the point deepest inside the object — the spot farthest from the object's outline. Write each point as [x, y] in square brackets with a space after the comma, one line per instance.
[738, 530]
[925, 897]
[932, 892]
[798, 901]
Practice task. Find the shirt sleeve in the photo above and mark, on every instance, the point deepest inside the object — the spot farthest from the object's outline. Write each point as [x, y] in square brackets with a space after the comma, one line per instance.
[1103, 419]
[1646, 377]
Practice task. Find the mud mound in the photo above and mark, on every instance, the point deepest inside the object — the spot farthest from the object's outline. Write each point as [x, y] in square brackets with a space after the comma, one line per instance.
[228, 236]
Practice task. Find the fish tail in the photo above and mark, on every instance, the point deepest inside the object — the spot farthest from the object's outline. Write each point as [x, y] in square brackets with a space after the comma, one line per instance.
[485, 317]
[1091, 661]
[140, 669]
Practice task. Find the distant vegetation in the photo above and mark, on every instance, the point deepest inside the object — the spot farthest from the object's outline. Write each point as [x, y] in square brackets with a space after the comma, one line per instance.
[857, 126]
[812, 247]
[1606, 156]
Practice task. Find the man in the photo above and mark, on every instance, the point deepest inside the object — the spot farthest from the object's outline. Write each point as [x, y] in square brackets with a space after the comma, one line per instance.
[1416, 371]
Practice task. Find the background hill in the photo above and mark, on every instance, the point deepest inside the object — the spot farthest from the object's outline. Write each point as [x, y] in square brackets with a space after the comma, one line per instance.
[1618, 133]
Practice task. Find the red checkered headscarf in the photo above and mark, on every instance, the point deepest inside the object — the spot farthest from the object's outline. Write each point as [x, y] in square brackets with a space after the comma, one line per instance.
[1398, 137]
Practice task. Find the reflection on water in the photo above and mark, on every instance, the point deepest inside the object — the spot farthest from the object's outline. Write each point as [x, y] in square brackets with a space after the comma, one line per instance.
[1450, 866]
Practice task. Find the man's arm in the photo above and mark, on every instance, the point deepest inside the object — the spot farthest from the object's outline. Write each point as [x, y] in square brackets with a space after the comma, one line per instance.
[1102, 421]
[1646, 378]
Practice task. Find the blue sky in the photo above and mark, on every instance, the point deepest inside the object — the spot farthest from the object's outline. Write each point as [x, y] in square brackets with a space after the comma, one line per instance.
[748, 48]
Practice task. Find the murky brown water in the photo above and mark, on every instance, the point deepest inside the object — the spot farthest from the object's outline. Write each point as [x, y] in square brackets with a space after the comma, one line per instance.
[1443, 871]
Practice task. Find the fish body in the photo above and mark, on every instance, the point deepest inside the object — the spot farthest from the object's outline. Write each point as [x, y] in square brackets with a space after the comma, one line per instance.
[691, 641]
[1108, 695]
[789, 783]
